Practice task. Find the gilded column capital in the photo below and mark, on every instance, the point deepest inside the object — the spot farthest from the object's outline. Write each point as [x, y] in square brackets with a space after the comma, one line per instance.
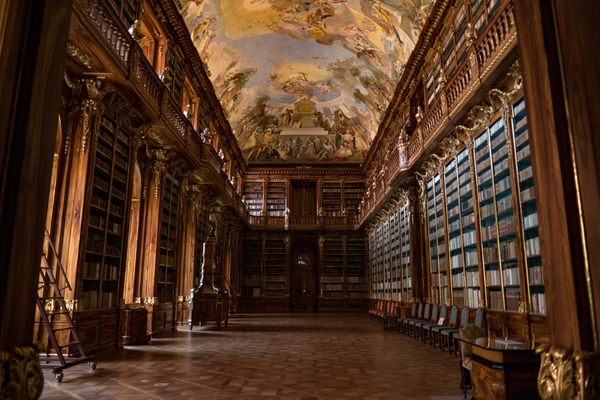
[567, 374]
[20, 373]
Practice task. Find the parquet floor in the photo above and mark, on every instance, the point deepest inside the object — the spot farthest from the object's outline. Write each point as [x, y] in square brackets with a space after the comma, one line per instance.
[270, 356]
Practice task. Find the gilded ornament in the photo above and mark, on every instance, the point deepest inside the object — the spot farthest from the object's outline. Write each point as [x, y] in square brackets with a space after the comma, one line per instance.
[20, 374]
[79, 55]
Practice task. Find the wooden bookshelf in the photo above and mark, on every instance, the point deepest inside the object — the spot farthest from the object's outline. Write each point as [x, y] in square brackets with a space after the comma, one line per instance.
[332, 276]
[355, 283]
[275, 271]
[167, 255]
[128, 10]
[173, 75]
[276, 198]
[527, 201]
[390, 276]
[102, 265]
[252, 265]
[498, 238]
[253, 193]
[353, 194]
[437, 240]
[331, 198]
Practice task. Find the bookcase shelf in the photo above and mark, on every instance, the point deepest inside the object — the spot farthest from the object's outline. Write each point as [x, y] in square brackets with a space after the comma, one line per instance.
[105, 232]
[533, 262]
[437, 240]
[275, 271]
[252, 265]
[332, 278]
[353, 194]
[276, 200]
[331, 195]
[390, 276]
[253, 193]
[167, 255]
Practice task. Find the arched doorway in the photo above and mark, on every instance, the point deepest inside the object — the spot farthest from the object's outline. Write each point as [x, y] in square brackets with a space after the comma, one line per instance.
[303, 276]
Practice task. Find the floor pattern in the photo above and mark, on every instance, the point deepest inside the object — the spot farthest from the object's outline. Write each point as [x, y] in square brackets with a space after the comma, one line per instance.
[269, 356]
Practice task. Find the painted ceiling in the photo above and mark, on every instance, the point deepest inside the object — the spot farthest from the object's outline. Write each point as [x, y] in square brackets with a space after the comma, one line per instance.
[304, 81]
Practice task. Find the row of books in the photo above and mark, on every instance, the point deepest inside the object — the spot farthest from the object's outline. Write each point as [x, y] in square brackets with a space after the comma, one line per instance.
[530, 221]
[511, 277]
[538, 303]
[532, 246]
[536, 275]
[275, 286]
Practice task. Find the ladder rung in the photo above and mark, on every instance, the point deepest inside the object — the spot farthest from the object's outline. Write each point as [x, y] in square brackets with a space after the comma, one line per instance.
[70, 344]
[63, 329]
[57, 312]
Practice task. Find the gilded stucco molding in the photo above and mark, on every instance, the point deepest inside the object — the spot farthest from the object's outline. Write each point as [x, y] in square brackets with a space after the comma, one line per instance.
[79, 55]
[568, 375]
[21, 376]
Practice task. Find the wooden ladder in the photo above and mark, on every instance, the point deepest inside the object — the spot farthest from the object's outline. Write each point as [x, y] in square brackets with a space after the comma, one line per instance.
[53, 309]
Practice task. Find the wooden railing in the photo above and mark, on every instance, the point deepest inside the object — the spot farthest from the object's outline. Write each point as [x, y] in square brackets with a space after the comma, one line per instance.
[482, 55]
[103, 22]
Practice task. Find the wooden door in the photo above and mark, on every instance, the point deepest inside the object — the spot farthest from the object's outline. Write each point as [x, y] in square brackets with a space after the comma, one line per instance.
[303, 277]
[304, 199]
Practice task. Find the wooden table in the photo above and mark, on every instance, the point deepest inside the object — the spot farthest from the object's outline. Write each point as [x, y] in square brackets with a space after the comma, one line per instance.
[502, 369]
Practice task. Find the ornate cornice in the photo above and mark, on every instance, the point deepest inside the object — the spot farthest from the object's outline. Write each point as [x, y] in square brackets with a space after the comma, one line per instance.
[427, 37]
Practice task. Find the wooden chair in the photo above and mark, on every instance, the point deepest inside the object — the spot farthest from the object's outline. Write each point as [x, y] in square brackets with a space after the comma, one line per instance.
[413, 314]
[427, 334]
[392, 315]
[446, 335]
[420, 326]
[412, 325]
[405, 322]
[478, 322]
[449, 324]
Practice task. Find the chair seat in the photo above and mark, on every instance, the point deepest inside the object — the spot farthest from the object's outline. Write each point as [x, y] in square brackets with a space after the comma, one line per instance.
[439, 328]
[449, 332]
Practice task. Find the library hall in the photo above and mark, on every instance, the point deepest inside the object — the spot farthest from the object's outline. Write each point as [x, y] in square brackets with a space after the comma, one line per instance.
[299, 199]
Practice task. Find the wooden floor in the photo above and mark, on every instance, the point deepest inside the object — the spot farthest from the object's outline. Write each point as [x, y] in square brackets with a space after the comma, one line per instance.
[280, 356]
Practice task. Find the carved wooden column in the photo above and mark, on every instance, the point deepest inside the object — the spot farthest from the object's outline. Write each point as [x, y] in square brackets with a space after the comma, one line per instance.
[134, 223]
[158, 163]
[216, 216]
[185, 268]
[560, 54]
[32, 56]
[82, 128]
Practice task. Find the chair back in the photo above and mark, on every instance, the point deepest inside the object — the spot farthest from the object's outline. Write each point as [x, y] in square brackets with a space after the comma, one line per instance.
[453, 316]
[434, 313]
[413, 310]
[444, 312]
[420, 312]
[426, 312]
[464, 316]
[479, 317]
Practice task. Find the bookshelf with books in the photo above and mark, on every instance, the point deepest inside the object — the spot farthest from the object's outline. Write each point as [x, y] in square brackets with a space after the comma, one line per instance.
[167, 255]
[527, 200]
[437, 240]
[276, 199]
[462, 243]
[394, 255]
[353, 194]
[275, 271]
[390, 274]
[331, 198]
[332, 276]
[102, 267]
[355, 283]
[405, 259]
[254, 196]
[252, 265]
[498, 238]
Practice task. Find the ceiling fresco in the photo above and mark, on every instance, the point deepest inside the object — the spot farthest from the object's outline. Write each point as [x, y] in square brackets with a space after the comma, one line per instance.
[304, 81]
